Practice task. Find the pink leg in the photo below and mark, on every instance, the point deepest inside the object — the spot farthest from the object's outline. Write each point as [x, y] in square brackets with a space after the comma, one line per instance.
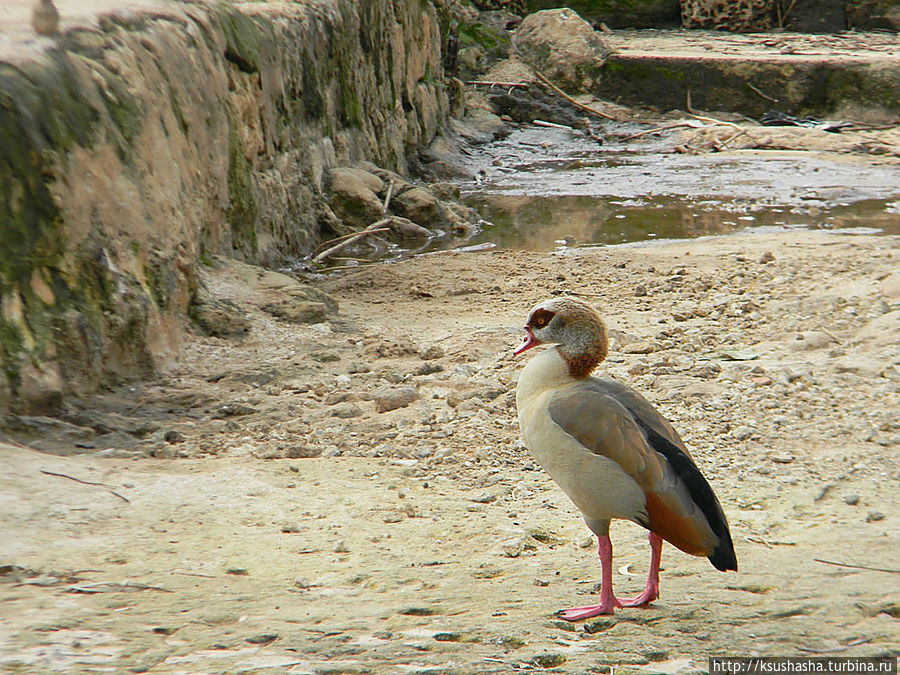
[651, 592]
[608, 601]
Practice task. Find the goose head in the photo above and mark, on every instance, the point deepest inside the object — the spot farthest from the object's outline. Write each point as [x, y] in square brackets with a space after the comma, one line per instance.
[573, 325]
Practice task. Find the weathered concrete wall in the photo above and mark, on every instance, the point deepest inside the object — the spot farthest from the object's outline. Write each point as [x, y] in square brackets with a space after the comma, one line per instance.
[130, 150]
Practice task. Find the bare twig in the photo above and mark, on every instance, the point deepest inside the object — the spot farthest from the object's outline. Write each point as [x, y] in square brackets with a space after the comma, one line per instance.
[728, 140]
[713, 120]
[857, 567]
[580, 106]
[327, 253]
[647, 132]
[387, 198]
[196, 574]
[843, 648]
[505, 85]
[831, 335]
[88, 482]
[552, 125]
[765, 96]
[351, 234]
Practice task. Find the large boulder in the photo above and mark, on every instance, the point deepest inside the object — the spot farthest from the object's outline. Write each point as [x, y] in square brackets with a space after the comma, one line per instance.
[562, 46]
[353, 196]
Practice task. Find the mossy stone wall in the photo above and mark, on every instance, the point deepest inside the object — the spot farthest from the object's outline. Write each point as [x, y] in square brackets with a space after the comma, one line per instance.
[131, 150]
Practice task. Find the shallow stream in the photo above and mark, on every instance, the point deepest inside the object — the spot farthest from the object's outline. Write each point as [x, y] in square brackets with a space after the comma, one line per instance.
[542, 188]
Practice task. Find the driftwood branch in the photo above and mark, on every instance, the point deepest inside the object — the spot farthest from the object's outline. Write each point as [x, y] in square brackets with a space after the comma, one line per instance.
[88, 482]
[377, 226]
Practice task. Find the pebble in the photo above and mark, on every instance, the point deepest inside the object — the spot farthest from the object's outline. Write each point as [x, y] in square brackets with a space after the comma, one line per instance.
[641, 347]
[874, 516]
[291, 528]
[341, 548]
[302, 582]
[541, 582]
[743, 433]
[483, 498]
[346, 411]
[513, 548]
[782, 458]
[851, 499]
[391, 398]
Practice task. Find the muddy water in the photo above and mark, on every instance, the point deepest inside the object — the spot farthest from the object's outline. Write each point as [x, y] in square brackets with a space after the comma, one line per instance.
[542, 188]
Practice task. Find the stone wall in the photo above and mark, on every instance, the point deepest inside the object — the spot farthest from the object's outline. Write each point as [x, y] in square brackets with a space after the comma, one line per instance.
[131, 150]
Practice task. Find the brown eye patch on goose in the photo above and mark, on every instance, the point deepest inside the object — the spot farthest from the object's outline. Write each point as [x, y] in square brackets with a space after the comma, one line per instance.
[541, 317]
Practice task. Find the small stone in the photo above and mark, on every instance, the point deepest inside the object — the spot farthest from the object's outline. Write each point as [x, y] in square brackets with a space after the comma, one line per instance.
[743, 433]
[395, 517]
[431, 352]
[263, 639]
[586, 542]
[874, 517]
[851, 499]
[233, 410]
[599, 626]
[541, 582]
[302, 583]
[549, 660]
[291, 528]
[322, 356]
[299, 452]
[172, 436]
[391, 398]
[238, 571]
[428, 368]
[297, 310]
[766, 258]
[640, 290]
[341, 548]
[641, 347]
[484, 498]
[782, 458]
[513, 548]
[346, 411]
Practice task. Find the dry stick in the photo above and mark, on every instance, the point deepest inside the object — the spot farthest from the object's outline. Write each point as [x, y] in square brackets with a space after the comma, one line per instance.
[857, 567]
[713, 120]
[348, 236]
[327, 253]
[580, 106]
[88, 482]
[765, 96]
[854, 643]
[505, 85]
[728, 140]
[387, 198]
[656, 130]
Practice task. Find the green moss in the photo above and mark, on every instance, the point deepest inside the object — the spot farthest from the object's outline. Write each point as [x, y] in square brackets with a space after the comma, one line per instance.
[243, 38]
[161, 280]
[11, 344]
[242, 211]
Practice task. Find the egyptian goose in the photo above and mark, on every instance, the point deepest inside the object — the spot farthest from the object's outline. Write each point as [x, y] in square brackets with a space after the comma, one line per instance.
[611, 451]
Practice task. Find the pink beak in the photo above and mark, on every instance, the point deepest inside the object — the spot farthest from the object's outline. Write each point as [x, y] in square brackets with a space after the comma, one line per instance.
[528, 342]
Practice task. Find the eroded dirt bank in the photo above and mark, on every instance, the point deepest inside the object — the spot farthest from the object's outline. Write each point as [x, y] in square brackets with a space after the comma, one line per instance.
[285, 525]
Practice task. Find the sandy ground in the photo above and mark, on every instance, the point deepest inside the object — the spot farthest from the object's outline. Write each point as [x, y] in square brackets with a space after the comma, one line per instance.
[272, 521]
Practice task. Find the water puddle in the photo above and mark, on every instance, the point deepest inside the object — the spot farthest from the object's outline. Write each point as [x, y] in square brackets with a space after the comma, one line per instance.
[542, 188]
